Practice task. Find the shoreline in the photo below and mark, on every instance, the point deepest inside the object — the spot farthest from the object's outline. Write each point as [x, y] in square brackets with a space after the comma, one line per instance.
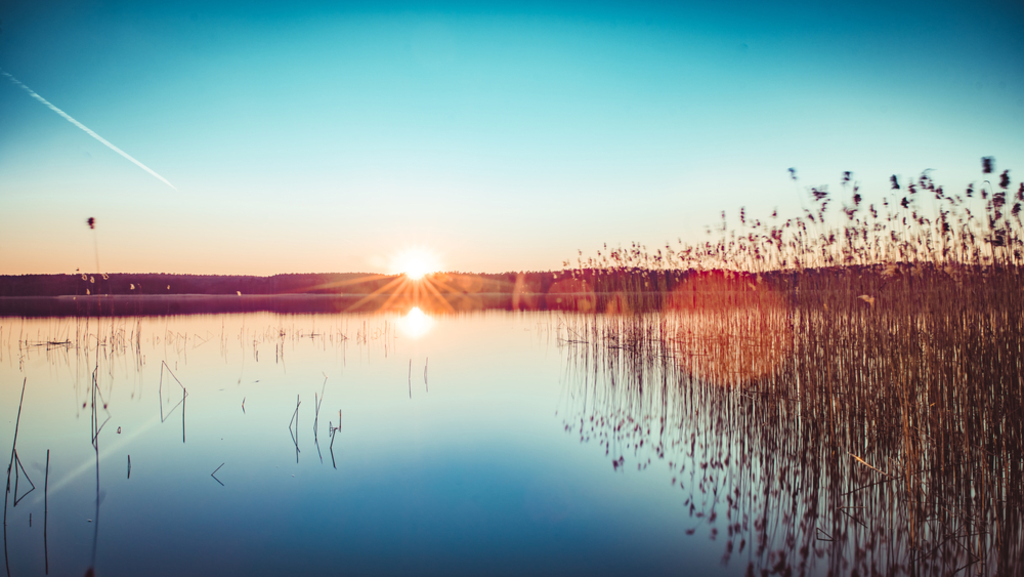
[192, 304]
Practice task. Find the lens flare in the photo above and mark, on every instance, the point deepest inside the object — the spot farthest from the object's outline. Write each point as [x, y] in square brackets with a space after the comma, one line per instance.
[729, 332]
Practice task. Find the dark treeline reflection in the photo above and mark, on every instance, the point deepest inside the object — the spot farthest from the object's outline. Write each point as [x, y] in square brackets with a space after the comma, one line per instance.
[435, 293]
[813, 428]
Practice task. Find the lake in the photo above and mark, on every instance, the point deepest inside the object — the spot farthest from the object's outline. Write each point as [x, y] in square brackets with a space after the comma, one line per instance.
[452, 454]
[495, 442]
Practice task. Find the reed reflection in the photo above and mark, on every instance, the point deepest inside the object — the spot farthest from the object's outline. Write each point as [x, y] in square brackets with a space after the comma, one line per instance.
[864, 440]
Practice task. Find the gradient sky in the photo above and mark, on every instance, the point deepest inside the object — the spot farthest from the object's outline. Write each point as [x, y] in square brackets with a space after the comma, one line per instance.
[316, 137]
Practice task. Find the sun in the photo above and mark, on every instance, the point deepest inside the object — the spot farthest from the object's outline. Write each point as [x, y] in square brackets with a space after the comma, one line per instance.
[415, 263]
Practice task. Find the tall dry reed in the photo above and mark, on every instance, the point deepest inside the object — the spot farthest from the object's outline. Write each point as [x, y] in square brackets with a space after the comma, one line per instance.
[850, 397]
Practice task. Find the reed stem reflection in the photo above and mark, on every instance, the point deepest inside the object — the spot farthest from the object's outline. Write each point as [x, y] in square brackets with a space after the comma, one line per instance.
[831, 433]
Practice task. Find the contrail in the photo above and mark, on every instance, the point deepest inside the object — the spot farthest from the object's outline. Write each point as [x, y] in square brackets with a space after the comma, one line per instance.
[33, 94]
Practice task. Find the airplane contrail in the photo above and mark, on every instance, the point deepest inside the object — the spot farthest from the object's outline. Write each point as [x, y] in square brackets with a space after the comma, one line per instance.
[33, 94]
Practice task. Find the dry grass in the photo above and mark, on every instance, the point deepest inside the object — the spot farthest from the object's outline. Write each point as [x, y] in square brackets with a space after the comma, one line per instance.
[851, 401]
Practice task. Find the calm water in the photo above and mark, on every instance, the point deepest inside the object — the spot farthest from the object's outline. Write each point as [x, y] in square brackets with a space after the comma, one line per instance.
[465, 447]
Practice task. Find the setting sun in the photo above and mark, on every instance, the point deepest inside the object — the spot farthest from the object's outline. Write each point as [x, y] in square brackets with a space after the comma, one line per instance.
[415, 263]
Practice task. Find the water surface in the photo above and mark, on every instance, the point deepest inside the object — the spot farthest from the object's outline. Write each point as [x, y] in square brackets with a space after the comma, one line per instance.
[458, 451]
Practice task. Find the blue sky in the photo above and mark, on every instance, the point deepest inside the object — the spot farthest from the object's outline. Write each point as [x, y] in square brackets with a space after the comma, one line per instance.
[313, 137]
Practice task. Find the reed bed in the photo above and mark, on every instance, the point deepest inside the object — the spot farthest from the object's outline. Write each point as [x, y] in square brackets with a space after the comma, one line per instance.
[858, 416]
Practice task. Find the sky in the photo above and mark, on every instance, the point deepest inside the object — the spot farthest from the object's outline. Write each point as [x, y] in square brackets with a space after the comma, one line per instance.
[300, 136]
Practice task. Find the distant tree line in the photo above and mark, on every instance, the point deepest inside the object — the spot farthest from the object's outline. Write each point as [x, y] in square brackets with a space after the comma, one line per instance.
[330, 283]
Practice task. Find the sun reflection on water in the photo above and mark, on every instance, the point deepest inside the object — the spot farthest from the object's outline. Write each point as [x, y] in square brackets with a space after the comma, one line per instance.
[415, 323]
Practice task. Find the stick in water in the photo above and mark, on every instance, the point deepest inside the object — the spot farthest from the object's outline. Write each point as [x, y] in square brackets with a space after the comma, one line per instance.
[13, 446]
[46, 510]
[214, 474]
